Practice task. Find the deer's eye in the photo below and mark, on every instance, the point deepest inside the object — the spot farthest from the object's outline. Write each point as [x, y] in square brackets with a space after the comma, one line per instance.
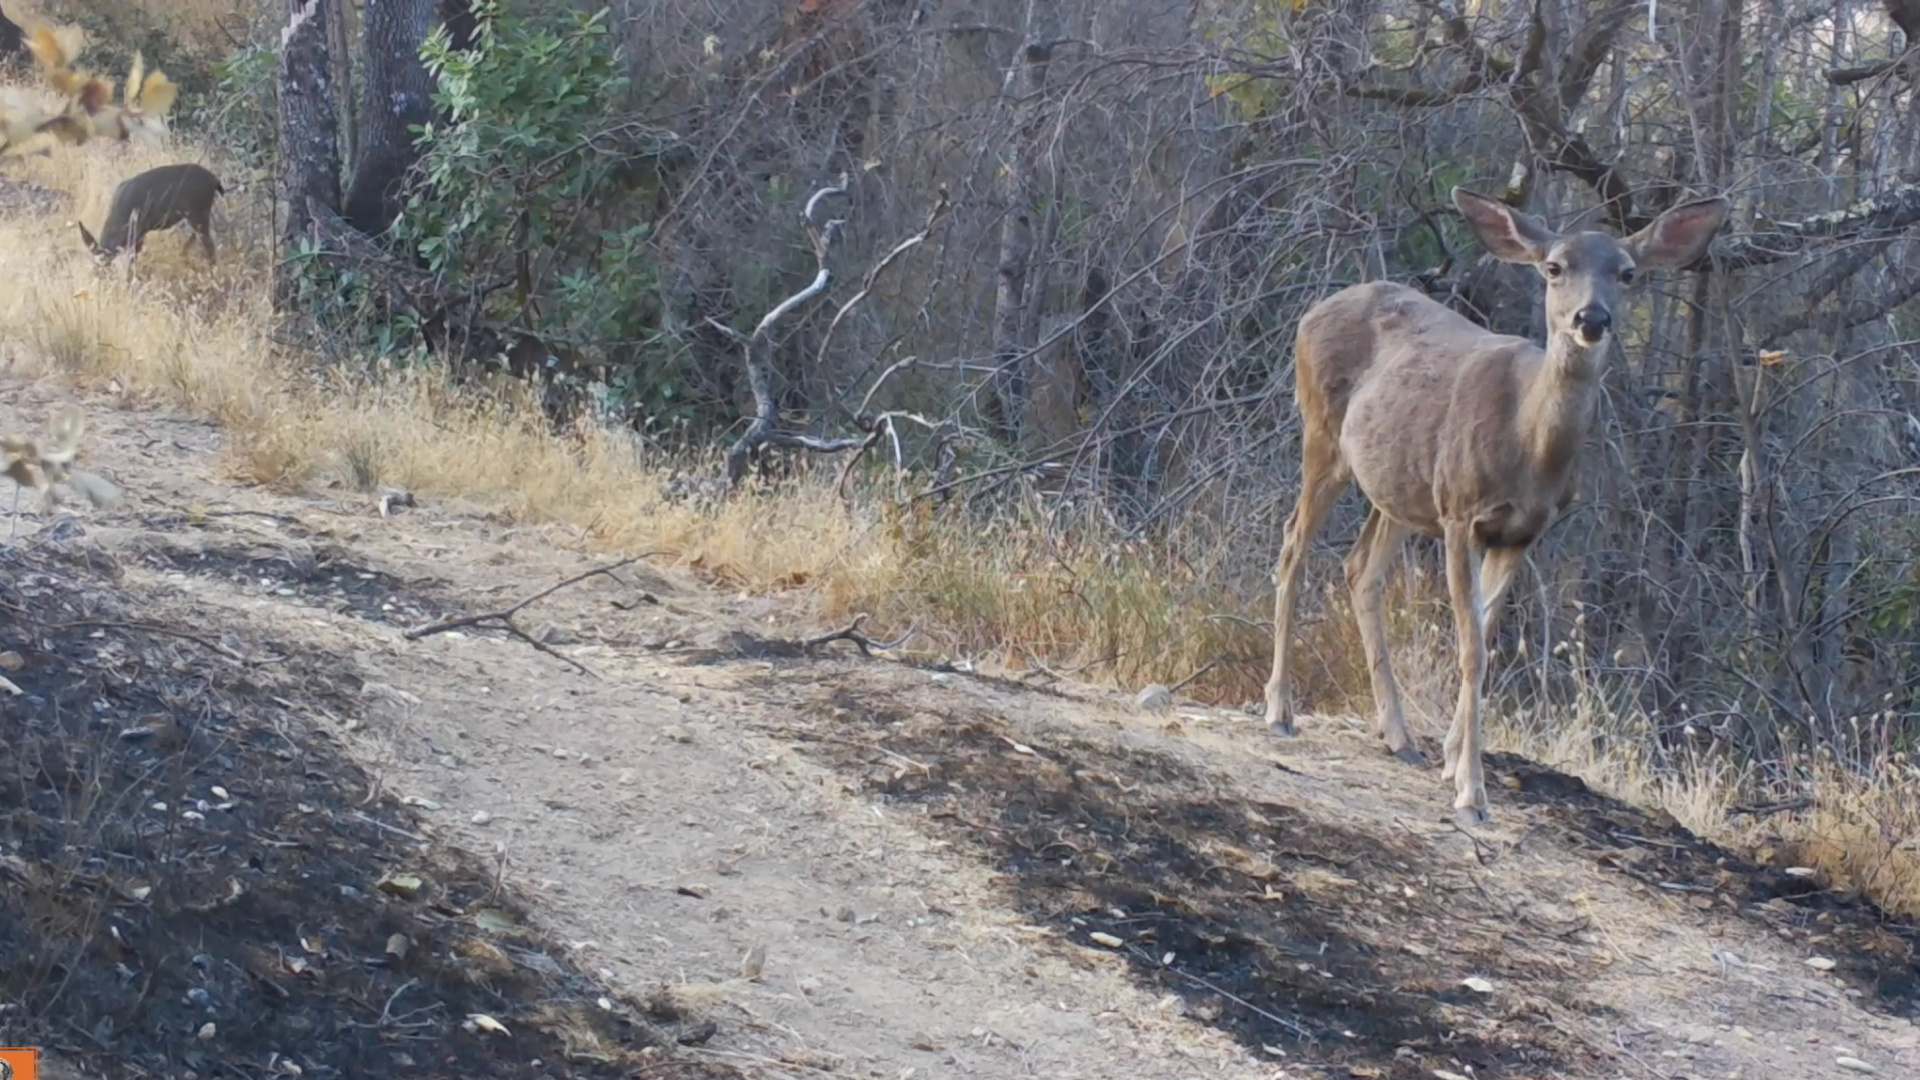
[1626, 276]
[1553, 271]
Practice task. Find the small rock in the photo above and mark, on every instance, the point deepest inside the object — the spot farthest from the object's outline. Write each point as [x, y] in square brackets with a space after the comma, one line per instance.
[481, 817]
[698, 892]
[1854, 1064]
[1477, 984]
[1820, 963]
[923, 1041]
[754, 963]
[845, 914]
[1101, 938]
[1153, 698]
[207, 1032]
[676, 733]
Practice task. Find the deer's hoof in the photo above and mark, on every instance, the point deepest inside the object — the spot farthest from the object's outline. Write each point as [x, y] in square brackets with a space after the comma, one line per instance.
[1281, 727]
[1411, 755]
[1472, 817]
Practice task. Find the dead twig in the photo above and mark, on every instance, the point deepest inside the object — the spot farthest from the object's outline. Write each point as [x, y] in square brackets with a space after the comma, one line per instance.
[1292, 1025]
[503, 619]
[1760, 810]
[851, 632]
[1195, 677]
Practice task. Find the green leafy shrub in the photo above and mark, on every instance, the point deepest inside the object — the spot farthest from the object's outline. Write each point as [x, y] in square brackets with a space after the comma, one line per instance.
[520, 193]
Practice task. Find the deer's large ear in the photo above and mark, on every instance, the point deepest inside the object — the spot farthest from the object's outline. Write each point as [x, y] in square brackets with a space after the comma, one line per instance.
[1506, 233]
[1679, 236]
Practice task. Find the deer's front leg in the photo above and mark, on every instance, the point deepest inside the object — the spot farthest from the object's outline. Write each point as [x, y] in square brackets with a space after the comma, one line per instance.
[1463, 744]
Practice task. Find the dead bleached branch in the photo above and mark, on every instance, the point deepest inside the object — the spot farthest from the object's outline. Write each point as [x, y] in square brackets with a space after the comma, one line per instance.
[758, 346]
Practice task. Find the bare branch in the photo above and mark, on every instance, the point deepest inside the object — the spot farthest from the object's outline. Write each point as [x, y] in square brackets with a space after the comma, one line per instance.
[851, 632]
[941, 204]
[503, 619]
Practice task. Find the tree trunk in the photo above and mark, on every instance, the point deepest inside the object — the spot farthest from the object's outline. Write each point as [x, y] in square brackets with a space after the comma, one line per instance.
[398, 96]
[340, 41]
[309, 152]
[1013, 307]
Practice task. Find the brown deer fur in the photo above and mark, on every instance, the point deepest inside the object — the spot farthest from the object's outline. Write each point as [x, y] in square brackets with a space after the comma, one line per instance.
[1456, 432]
[157, 199]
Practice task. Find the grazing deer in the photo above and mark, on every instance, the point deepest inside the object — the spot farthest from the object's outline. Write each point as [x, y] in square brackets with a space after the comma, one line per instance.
[1457, 432]
[157, 199]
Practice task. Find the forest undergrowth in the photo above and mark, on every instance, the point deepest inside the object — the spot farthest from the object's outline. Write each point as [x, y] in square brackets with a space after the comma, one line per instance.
[1029, 589]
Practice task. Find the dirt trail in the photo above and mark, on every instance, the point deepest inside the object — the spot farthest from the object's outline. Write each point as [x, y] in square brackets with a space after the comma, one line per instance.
[925, 856]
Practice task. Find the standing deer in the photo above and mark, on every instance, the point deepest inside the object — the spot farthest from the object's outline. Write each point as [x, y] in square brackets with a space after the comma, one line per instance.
[1457, 432]
[157, 199]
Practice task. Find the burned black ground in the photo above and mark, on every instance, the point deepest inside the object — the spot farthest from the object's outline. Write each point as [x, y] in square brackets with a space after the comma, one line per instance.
[1296, 938]
[199, 883]
[1874, 952]
[305, 572]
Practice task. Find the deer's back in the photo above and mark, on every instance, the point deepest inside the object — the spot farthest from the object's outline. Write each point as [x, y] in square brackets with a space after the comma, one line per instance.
[1376, 330]
[162, 197]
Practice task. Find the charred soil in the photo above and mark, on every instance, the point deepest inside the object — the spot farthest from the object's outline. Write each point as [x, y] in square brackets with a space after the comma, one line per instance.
[199, 882]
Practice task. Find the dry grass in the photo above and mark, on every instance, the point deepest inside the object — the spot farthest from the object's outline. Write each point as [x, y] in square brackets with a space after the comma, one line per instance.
[1024, 591]
[206, 26]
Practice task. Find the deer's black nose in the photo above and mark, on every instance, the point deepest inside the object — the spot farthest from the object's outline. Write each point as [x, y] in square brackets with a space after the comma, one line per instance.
[1593, 322]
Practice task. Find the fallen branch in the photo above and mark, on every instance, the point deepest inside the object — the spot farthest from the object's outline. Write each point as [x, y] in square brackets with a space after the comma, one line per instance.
[851, 632]
[503, 619]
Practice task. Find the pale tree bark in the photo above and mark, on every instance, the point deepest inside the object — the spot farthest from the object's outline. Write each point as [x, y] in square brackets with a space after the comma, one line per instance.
[1016, 287]
[397, 96]
[340, 42]
[309, 151]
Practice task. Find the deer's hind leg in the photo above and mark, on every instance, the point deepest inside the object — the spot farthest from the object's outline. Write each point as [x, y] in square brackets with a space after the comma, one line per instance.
[1367, 565]
[203, 225]
[1323, 476]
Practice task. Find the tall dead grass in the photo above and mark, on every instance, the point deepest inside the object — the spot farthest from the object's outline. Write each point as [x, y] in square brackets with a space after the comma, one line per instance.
[1023, 589]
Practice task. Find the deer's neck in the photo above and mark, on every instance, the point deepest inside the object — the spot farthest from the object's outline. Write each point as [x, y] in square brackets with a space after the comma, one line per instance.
[1557, 408]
